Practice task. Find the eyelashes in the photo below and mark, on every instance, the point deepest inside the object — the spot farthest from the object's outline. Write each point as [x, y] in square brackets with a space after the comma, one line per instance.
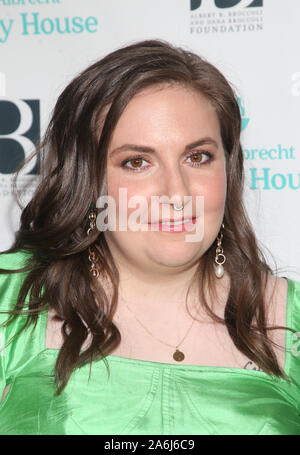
[142, 158]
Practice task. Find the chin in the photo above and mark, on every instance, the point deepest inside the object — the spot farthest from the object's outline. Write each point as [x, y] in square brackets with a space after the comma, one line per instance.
[174, 255]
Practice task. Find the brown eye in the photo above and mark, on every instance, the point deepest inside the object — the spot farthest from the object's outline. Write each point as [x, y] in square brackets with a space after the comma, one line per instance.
[136, 162]
[198, 158]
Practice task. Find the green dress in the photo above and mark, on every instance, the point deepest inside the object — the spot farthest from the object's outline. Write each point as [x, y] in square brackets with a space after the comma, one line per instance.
[140, 396]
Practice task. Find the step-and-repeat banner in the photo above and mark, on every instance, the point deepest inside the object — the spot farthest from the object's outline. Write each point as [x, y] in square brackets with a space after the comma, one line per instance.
[255, 43]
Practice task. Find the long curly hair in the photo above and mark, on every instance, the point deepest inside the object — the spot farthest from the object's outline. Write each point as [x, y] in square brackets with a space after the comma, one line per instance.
[53, 225]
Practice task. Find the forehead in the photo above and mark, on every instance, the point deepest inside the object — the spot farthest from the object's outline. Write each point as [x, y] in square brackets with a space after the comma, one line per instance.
[167, 92]
[167, 110]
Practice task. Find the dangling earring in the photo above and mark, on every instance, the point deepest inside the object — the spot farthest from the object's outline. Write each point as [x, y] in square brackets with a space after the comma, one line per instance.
[220, 257]
[92, 255]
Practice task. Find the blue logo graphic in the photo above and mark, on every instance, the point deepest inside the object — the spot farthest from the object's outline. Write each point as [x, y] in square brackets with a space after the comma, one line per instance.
[19, 132]
[245, 120]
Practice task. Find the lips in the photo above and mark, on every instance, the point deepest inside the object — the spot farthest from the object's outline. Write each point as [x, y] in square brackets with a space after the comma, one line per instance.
[183, 225]
[174, 222]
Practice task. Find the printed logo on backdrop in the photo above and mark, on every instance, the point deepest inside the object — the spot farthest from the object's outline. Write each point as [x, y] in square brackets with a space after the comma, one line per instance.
[245, 120]
[35, 23]
[264, 176]
[19, 132]
[226, 16]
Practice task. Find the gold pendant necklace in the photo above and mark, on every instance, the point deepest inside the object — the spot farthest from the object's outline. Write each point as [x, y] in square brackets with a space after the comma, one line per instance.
[177, 355]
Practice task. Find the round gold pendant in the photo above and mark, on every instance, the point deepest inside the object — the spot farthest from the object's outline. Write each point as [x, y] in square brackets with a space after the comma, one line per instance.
[178, 355]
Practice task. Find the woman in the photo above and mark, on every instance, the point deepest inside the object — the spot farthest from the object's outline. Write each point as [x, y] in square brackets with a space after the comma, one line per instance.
[142, 331]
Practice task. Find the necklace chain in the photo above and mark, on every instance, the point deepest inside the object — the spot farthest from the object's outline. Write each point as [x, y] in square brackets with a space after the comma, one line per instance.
[148, 331]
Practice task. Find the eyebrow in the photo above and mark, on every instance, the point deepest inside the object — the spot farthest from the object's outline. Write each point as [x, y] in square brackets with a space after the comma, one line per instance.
[145, 149]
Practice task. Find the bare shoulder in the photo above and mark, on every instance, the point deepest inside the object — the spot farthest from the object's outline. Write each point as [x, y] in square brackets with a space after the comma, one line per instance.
[275, 297]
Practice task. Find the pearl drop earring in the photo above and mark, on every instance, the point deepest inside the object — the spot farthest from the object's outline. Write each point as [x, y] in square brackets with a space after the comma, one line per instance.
[220, 257]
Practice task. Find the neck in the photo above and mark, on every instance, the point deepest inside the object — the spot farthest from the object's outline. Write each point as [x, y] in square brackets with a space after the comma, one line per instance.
[161, 290]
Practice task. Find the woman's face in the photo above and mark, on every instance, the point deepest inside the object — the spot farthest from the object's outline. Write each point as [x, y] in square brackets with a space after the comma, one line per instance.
[166, 120]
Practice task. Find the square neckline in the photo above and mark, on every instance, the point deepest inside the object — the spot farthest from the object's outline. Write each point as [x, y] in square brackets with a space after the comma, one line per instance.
[204, 368]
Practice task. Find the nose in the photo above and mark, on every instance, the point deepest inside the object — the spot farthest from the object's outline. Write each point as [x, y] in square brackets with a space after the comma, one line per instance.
[175, 188]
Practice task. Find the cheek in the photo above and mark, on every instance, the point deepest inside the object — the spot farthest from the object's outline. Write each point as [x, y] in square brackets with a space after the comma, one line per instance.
[113, 183]
[130, 189]
[214, 191]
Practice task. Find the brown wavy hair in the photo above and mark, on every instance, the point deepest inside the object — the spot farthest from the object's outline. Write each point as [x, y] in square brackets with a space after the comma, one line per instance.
[54, 223]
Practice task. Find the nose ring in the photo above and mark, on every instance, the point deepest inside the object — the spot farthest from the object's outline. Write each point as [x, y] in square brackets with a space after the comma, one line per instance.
[178, 208]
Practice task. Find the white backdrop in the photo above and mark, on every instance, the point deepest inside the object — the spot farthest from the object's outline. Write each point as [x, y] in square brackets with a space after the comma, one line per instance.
[45, 43]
